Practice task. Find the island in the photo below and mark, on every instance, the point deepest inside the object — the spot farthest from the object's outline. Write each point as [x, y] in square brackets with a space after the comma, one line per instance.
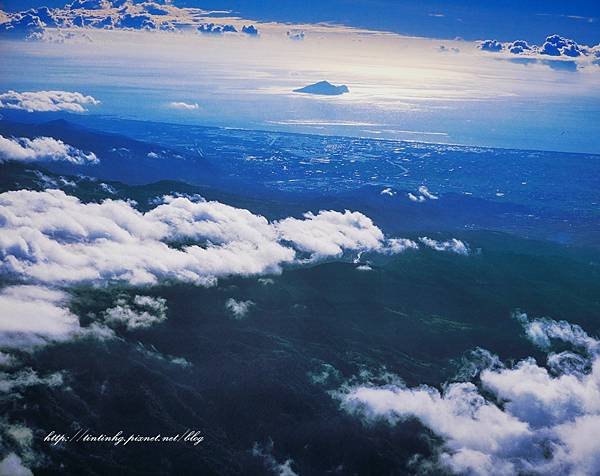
[324, 88]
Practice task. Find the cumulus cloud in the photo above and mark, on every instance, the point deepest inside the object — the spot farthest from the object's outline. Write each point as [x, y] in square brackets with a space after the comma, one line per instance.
[12, 465]
[521, 419]
[387, 191]
[43, 101]
[52, 237]
[554, 45]
[34, 315]
[453, 245]
[329, 233]
[36, 23]
[22, 24]
[42, 149]
[542, 331]
[491, 45]
[399, 245]
[250, 30]
[519, 46]
[184, 106]
[215, 29]
[238, 309]
[140, 313]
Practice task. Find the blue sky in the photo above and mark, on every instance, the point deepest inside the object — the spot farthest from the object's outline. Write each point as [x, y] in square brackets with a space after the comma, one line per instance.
[504, 20]
[410, 86]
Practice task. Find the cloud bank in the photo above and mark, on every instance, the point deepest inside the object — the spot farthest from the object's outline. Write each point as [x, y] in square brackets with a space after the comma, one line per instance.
[44, 101]
[53, 238]
[520, 419]
[184, 106]
[42, 149]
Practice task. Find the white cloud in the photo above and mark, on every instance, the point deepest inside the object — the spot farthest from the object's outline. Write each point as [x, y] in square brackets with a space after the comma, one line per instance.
[533, 420]
[42, 149]
[107, 188]
[12, 465]
[423, 195]
[28, 378]
[184, 106]
[7, 360]
[542, 331]
[43, 101]
[52, 237]
[493, 46]
[399, 245]
[453, 245]
[34, 315]
[387, 191]
[140, 313]
[423, 190]
[413, 198]
[238, 309]
[554, 45]
[22, 435]
[329, 233]
[154, 354]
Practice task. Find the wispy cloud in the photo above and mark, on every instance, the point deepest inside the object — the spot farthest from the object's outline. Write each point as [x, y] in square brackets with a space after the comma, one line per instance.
[140, 312]
[184, 106]
[238, 309]
[453, 245]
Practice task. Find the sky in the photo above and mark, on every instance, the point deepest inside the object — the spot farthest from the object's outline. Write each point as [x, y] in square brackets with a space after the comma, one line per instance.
[413, 85]
[503, 19]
